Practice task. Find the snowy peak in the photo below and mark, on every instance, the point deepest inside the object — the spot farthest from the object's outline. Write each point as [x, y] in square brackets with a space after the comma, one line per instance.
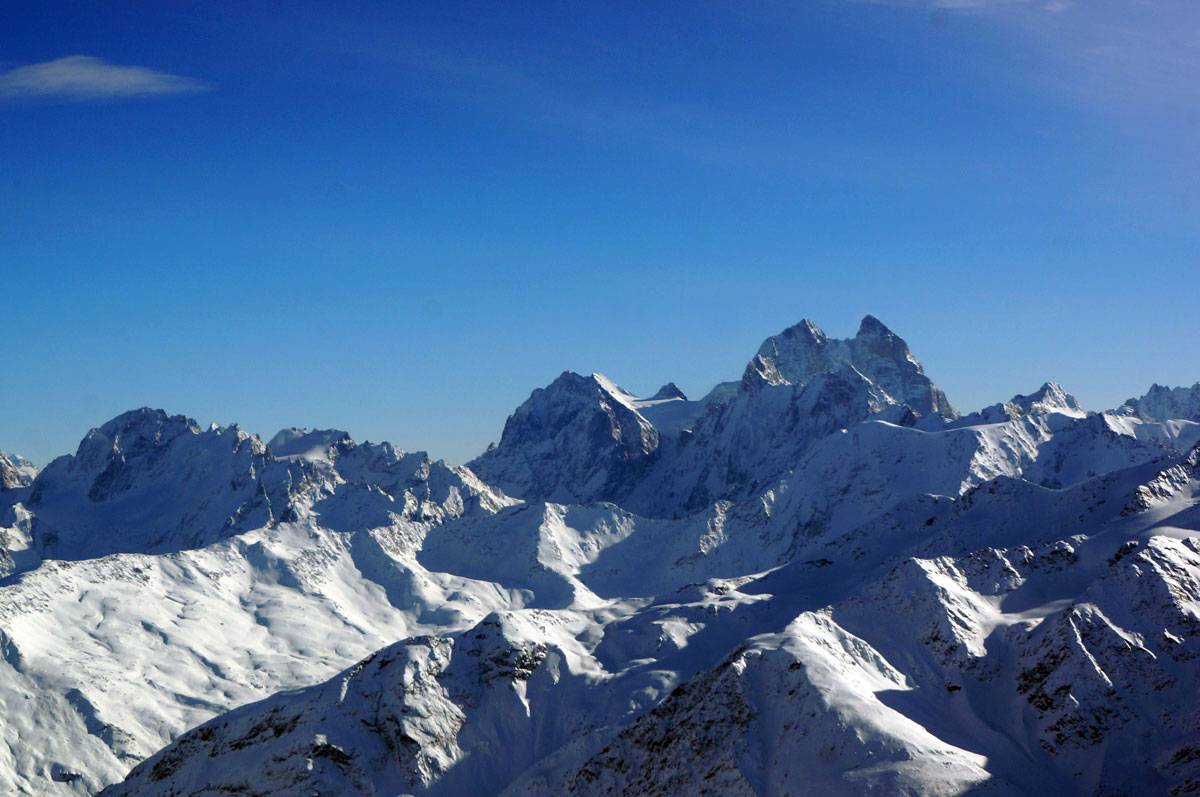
[134, 435]
[142, 445]
[15, 472]
[1162, 403]
[148, 481]
[796, 354]
[585, 439]
[1049, 399]
[579, 439]
[803, 351]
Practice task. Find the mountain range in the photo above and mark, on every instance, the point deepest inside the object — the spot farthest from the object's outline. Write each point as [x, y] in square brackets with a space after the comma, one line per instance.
[819, 578]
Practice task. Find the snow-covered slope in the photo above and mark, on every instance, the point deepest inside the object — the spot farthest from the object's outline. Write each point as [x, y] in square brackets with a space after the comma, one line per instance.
[166, 573]
[817, 579]
[982, 670]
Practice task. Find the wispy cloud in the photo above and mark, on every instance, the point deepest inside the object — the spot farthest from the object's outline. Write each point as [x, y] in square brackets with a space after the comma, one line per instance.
[974, 5]
[1122, 57]
[84, 78]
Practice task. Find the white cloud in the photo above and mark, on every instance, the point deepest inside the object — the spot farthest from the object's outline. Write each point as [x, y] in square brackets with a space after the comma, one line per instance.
[81, 78]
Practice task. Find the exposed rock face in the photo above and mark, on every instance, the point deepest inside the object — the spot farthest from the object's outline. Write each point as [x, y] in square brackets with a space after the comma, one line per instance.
[802, 352]
[578, 440]
[583, 439]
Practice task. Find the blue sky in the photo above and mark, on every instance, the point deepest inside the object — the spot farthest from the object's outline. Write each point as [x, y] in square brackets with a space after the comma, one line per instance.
[398, 219]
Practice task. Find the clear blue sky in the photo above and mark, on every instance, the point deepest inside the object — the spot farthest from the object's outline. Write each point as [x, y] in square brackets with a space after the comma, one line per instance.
[400, 218]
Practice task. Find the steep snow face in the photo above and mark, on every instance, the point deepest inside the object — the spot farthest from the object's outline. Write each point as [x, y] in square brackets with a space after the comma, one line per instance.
[670, 411]
[801, 352]
[146, 482]
[1166, 403]
[580, 439]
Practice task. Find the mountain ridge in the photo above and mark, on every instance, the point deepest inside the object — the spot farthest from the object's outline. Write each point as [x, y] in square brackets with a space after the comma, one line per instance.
[818, 578]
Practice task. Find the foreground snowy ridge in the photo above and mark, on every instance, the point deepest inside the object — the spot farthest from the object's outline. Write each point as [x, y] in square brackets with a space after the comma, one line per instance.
[817, 579]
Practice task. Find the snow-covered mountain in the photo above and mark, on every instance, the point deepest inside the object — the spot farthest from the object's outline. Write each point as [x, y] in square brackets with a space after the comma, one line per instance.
[15, 471]
[1166, 403]
[817, 579]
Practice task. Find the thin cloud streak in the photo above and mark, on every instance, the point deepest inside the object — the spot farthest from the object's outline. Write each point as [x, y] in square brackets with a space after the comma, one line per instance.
[85, 78]
[1053, 6]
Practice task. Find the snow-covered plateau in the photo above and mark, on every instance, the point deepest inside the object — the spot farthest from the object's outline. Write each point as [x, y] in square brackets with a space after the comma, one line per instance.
[819, 578]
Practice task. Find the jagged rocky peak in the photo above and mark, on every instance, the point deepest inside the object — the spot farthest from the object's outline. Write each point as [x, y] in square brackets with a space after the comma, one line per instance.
[139, 443]
[551, 410]
[149, 481]
[130, 434]
[1161, 403]
[143, 433]
[15, 471]
[797, 353]
[803, 351]
[578, 439]
[1049, 399]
